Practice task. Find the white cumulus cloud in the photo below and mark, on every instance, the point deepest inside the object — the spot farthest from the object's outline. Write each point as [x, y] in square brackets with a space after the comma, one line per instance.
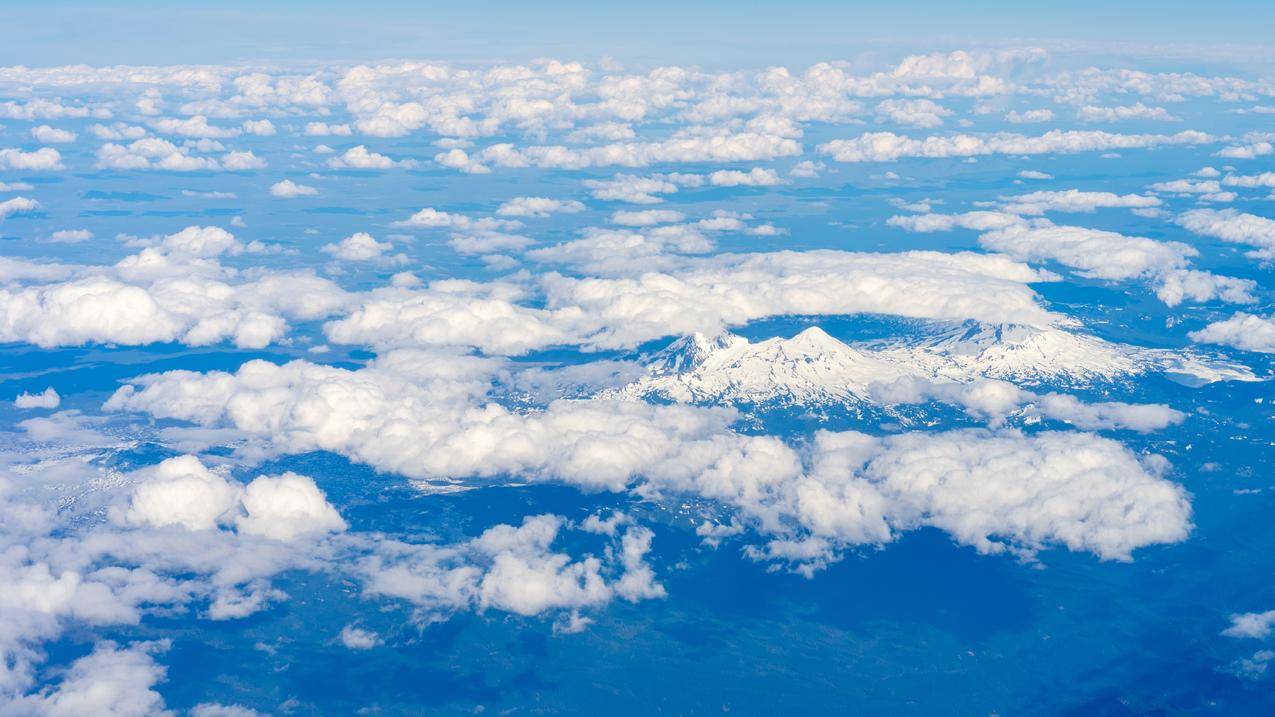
[288, 189]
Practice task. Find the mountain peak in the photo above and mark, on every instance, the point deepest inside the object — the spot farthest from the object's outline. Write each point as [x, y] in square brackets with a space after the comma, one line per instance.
[809, 368]
[687, 352]
[813, 368]
[815, 336]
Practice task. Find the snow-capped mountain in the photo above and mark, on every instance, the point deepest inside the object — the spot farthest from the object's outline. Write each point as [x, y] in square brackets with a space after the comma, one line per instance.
[815, 369]
[1036, 355]
[811, 368]
[1011, 352]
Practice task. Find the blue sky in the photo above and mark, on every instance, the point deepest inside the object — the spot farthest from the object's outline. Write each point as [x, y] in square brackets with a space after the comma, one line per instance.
[707, 33]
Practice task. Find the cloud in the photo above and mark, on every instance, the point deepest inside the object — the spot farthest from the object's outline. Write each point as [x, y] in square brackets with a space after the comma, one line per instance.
[361, 158]
[888, 147]
[1028, 116]
[20, 270]
[17, 205]
[82, 311]
[483, 241]
[755, 177]
[1093, 253]
[638, 582]
[1181, 284]
[216, 709]
[288, 189]
[261, 128]
[912, 113]
[1137, 111]
[962, 72]
[1251, 668]
[1142, 418]
[241, 162]
[179, 551]
[601, 444]
[631, 188]
[712, 147]
[1252, 150]
[287, 507]
[45, 134]
[446, 313]
[1265, 179]
[527, 580]
[360, 246]
[70, 236]
[1255, 625]
[49, 398]
[618, 252]
[117, 131]
[1069, 488]
[323, 129]
[356, 638]
[1073, 200]
[172, 290]
[196, 126]
[150, 153]
[1096, 253]
[181, 491]
[1233, 226]
[457, 158]
[513, 569]
[153, 153]
[111, 681]
[1074, 489]
[708, 294]
[605, 131]
[1210, 190]
[197, 241]
[103, 576]
[434, 219]
[43, 159]
[646, 218]
[534, 99]
[1242, 331]
[40, 108]
[1034, 174]
[538, 207]
[806, 169]
[996, 400]
[701, 295]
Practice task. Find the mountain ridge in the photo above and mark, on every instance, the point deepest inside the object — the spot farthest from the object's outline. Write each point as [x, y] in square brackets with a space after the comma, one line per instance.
[812, 368]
